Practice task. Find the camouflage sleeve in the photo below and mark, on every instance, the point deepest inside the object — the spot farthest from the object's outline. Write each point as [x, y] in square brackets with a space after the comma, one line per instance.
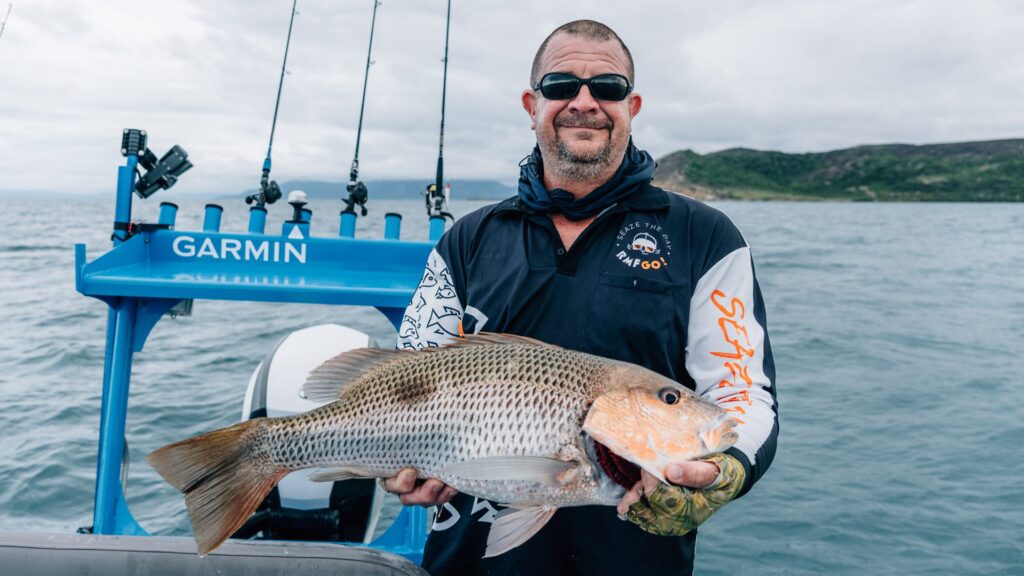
[674, 510]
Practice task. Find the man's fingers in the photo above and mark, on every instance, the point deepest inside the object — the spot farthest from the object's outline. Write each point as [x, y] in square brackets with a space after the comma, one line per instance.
[696, 474]
[428, 494]
[431, 489]
[631, 497]
[448, 494]
[650, 482]
[402, 482]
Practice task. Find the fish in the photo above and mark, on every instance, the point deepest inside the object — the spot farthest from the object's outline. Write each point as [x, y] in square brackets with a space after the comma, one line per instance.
[532, 426]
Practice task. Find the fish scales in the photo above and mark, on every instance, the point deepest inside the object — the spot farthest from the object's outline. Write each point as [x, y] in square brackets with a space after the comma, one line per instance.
[444, 407]
[500, 417]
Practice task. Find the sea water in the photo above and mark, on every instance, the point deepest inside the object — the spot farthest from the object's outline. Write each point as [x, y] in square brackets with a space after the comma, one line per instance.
[896, 328]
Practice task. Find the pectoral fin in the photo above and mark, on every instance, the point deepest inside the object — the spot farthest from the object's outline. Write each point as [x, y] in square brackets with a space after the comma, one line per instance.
[513, 526]
[516, 468]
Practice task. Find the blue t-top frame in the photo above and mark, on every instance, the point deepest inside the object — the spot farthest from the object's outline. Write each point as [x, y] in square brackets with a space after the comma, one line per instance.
[149, 271]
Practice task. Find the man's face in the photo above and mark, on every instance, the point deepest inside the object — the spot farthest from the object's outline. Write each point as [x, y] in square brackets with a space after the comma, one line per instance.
[581, 138]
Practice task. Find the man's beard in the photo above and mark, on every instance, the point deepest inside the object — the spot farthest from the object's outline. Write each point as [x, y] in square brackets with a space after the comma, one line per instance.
[581, 165]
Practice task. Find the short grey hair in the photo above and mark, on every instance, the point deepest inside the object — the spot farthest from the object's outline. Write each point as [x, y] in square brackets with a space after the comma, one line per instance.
[589, 29]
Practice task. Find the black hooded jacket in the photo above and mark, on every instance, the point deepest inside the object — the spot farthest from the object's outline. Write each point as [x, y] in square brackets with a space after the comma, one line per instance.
[657, 279]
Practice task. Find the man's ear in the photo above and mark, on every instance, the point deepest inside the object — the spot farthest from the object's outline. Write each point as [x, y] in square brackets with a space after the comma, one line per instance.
[529, 98]
[635, 103]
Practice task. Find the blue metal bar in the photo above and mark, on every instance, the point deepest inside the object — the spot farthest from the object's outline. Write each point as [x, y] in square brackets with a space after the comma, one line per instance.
[348, 225]
[436, 228]
[111, 515]
[211, 217]
[168, 213]
[107, 355]
[392, 226]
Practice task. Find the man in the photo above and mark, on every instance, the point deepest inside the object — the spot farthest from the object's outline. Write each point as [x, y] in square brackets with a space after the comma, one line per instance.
[590, 256]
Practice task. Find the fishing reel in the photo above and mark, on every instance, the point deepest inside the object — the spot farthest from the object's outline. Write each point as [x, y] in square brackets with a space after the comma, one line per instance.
[357, 192]
[357, 196]
[159, 174]
[437, 202]
[269, 192]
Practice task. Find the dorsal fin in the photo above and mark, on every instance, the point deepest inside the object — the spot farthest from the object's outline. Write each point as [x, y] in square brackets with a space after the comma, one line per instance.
[327, 380]
[493, 339]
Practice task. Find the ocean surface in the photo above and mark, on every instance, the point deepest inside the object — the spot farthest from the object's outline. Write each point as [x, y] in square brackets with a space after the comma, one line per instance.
[896, 328]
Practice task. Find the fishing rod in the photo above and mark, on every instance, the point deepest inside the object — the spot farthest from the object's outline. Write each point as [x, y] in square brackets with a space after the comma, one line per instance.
[4, 23]
[270, 192]
[437, 199]
[357, 192]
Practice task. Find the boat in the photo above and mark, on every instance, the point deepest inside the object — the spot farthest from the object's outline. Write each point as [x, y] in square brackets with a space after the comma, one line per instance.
[154, 270]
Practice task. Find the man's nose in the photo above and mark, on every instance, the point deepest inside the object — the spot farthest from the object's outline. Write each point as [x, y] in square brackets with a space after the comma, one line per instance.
[584, 101]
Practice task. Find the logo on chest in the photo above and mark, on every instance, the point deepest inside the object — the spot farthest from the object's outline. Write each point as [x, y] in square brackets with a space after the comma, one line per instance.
[643, 245]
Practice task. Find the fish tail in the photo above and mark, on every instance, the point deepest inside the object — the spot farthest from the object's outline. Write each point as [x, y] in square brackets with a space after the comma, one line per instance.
[224, 475]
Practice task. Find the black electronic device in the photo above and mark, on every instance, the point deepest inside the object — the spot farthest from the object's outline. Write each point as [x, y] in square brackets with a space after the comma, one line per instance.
[159, 173]
[162, 173]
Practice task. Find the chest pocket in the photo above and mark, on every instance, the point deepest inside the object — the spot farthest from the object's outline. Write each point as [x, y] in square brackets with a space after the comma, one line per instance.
[634, 318]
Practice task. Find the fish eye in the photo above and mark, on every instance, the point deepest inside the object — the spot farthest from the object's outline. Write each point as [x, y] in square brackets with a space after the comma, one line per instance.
[669, 396]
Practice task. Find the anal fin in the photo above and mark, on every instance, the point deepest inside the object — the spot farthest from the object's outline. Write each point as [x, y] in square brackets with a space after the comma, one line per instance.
[337, 474]
[513, 526]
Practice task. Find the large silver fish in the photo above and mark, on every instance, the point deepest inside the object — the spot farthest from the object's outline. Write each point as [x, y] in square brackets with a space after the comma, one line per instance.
[505, 418]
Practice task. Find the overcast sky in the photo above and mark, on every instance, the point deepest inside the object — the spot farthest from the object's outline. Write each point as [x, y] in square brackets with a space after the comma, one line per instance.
[793, 75]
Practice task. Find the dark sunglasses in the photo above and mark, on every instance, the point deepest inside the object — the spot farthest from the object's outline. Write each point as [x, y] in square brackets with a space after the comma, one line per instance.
[563, 86]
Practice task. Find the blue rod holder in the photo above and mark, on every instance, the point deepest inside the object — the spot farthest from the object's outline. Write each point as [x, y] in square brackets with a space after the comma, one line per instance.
[436, 228]
[257, 219]
[392, 226]
[168, 213]
[123, 206]
[211, 218]
[348, 225]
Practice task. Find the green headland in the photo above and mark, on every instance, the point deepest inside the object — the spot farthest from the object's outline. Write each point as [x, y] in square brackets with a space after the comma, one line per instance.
[988, 171]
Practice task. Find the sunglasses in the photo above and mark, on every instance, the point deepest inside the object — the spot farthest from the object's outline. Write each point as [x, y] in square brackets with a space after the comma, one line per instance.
[563, 86]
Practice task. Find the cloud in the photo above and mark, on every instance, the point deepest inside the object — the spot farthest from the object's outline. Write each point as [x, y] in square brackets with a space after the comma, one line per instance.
[791, 75]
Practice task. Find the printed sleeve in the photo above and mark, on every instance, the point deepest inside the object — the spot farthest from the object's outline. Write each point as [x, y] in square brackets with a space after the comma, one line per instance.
[434, 314]
[729, 357]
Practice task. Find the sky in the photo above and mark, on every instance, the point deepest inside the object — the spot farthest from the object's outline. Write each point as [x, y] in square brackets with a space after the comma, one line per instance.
[791, 75]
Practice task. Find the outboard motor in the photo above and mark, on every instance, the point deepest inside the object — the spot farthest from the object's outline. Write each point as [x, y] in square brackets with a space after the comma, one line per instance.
[297, 508]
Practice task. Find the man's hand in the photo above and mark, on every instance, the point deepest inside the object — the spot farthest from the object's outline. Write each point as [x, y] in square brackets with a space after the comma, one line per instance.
[433, 492]
[698, 489]
[694, 474]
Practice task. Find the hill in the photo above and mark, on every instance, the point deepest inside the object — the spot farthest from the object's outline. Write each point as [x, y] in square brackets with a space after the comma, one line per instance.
[989, 171]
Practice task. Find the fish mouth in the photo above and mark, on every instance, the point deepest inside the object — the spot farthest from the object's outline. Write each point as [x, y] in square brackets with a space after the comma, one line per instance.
[619, 470]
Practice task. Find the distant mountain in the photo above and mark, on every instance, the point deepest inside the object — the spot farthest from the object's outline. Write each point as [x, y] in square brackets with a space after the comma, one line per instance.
[965, 171]
[396, 189]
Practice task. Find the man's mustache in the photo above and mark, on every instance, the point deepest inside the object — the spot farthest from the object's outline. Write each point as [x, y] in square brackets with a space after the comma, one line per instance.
[581, 121]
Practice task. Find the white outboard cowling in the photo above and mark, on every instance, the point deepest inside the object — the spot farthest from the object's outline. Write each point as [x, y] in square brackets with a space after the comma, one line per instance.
[299, 508]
